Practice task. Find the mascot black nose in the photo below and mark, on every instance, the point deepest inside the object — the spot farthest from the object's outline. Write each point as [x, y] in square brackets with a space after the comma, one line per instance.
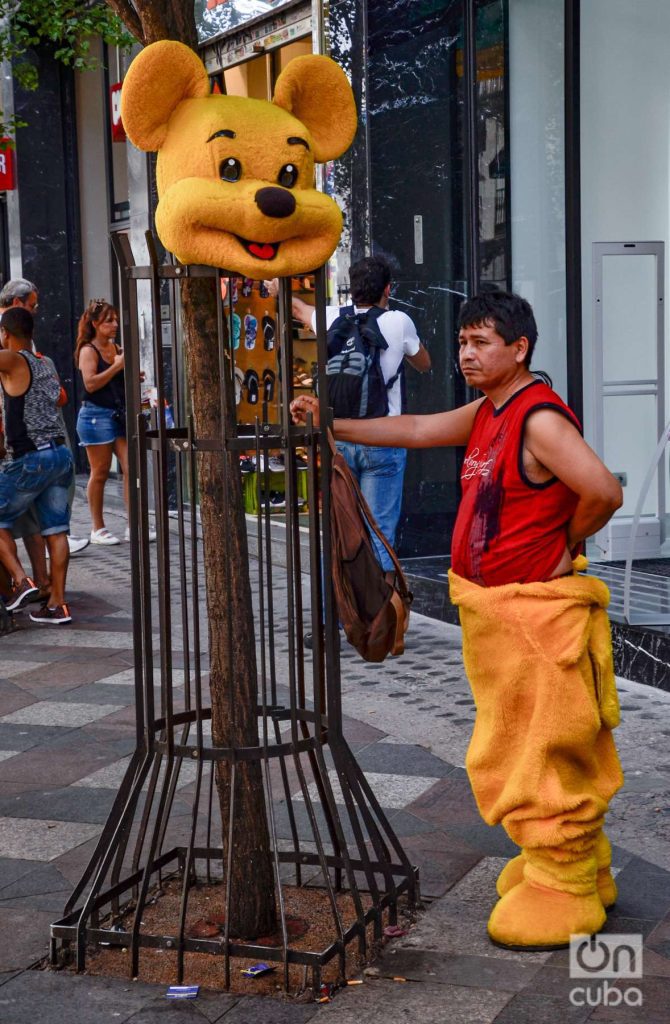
[275, 202]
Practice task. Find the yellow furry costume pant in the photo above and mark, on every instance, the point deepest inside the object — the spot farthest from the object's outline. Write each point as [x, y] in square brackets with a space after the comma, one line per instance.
[542, 759]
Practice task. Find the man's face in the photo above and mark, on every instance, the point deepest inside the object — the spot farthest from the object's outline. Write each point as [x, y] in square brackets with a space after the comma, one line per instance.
[3, 338]
[485, 359]
[30, 302]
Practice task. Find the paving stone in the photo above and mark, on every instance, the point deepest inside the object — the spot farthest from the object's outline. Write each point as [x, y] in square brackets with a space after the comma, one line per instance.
[214, 1005]
[614, 925]
[111, 776]
[60, 761]
[442, 929]
[12, 697]
[408, 759]
[644, 890]
[26, 736]
[490, 841]
[51, 998]
[379, 1002]
[24, 940]
[530, 1008]
[655, 1007]
[60, 676]
[404, 824]
[390, 790]
[13, 868]
[97, 693]
[462, 969]
[442, 861]
[67, 804]
[41, 840]
[258, 1010]
[51, 712]
[475, 894]
[173, 1011]
[15, 668]
[449, 801]
[42, 878]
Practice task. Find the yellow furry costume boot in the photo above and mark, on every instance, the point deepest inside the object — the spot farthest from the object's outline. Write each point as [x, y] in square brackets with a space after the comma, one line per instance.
[542, 759]
[512, 873]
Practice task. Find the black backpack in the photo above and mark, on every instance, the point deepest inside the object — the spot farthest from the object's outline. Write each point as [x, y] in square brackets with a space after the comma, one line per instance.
[356, 386]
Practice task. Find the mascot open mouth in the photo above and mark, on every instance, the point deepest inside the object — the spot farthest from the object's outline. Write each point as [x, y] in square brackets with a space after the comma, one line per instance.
[260, 250]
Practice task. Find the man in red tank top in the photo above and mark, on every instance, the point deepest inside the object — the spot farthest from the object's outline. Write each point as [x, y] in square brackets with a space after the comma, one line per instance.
[536, 639]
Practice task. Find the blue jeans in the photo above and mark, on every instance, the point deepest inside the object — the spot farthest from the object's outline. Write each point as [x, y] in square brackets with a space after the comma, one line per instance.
[42, 477]
[96, 424]
[380, 473]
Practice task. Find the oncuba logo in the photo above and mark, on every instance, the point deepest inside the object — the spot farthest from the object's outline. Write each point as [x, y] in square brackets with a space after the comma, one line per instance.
[603, 959]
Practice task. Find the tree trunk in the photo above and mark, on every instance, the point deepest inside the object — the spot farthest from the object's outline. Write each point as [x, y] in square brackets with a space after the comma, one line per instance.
[233, 683]
[233, 680]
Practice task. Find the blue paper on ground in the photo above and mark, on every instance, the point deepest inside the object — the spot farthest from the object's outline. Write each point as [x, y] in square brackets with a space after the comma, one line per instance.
[256, 969]
[182, 992]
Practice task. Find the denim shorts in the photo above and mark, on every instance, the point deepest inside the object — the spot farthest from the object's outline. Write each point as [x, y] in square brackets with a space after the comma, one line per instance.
[43, 478]
[99, 425]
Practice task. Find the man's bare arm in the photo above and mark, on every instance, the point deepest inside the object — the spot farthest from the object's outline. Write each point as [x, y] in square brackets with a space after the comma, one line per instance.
[10, 360]
[420, 360]
[558, 445]
[302, 311]
[431, 431]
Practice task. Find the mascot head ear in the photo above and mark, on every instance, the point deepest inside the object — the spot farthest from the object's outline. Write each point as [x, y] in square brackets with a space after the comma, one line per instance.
[316, 90]
[159, 78]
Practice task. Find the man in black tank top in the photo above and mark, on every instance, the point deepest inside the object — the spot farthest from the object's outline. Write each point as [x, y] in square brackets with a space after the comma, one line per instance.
[38, 467]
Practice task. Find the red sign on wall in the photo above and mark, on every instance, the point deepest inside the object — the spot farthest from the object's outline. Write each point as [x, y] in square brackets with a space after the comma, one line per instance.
[118, 131]
[7, 177]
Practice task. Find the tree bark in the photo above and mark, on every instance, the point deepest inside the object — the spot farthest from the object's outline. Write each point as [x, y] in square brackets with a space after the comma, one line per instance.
[233, 675]
[232, 649]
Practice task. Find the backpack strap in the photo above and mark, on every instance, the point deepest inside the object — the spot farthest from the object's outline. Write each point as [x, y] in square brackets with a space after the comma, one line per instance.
[400, 576]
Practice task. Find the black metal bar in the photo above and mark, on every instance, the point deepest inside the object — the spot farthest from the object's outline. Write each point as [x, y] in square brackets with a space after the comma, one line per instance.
[176, 733]
[130, 343]
[573, 214]
[471, 170]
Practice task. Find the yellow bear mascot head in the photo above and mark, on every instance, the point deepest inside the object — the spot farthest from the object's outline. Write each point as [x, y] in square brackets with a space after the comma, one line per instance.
[236, 175]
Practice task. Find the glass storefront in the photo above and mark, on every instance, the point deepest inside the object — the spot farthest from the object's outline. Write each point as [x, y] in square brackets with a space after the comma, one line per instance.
[426, 184]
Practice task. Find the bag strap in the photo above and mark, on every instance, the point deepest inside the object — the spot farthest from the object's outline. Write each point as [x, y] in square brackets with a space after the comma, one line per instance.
[400, 576]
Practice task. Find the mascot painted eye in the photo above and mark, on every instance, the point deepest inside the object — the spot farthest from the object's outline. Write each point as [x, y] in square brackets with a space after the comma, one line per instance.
[288, 175]
[230, 169]
[237, 211]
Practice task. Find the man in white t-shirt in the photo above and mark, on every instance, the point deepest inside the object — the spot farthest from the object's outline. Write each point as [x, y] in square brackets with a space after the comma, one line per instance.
[379, 471]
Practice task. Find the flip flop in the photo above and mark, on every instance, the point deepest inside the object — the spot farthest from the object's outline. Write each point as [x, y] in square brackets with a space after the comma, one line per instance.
[269, 328]
[234, 330]
[251, 384]
[250, 328]
[269, 378]
[247, 287]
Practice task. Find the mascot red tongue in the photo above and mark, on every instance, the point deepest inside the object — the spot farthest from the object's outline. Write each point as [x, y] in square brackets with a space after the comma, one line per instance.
[263, 252]
[235, 175]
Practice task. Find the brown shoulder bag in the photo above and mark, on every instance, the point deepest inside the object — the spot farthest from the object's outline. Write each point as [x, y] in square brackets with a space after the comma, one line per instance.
[373, 612]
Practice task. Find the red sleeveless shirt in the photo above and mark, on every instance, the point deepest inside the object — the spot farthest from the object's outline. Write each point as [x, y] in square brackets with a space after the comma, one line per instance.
[509, 529]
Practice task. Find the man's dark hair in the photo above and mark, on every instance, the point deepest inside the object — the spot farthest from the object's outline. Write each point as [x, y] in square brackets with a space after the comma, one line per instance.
[510, 315]
[368, 279]
[18, 322]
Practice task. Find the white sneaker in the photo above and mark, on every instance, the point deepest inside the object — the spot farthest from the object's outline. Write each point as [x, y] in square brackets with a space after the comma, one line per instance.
[77, 544]
[152, 534]
[103, 536]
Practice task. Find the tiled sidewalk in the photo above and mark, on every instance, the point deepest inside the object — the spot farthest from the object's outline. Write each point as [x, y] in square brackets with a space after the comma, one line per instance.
[67, 729]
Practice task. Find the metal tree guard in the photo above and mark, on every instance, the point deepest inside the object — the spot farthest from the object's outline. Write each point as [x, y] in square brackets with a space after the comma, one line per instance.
[348, 844]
